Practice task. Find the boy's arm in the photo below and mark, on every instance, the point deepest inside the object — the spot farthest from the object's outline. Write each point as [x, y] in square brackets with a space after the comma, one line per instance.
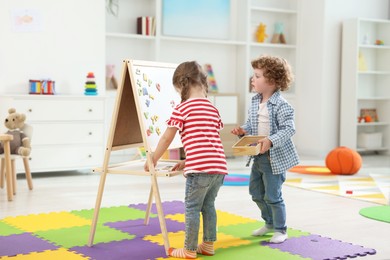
[286, 128]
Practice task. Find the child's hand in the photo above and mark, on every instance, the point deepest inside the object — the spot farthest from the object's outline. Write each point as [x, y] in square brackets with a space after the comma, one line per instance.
[238, 131]
[179, 166]
[265, 145]
[146, 166]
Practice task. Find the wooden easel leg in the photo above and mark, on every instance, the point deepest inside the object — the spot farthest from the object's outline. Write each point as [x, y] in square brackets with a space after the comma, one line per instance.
[149, 206]
[97, 207]
[157, 199]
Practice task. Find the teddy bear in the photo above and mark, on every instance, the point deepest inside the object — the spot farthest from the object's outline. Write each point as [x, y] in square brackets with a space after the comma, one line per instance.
[260, 34]
[21, 143]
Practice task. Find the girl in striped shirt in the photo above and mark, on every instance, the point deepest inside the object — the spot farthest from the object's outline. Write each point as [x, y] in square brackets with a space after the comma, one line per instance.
[198, 123]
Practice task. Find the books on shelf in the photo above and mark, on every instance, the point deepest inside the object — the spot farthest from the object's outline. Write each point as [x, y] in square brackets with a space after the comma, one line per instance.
[146, 25]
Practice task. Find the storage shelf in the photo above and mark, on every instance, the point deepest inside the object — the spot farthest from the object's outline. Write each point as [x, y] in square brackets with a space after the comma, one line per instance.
[273, 45]
[373, 124]
[374, 72]
[373, 46]
[379, 149]
[130, 36]
[274, 10]
[374, 99]
[365, 89]
[206, 41]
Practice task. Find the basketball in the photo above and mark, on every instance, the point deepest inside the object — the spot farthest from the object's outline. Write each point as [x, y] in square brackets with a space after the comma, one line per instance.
[343, 160]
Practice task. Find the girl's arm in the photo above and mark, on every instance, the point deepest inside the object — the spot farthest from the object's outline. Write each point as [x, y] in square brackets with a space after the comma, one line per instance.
[162, 146]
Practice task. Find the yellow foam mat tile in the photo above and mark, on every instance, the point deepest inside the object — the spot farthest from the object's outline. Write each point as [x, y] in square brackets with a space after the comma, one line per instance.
[224, 219]
[176, 240]
[59, 254]
[46, 221]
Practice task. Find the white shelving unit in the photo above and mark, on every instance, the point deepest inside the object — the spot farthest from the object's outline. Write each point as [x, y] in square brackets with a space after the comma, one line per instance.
[230, 57]
[365, 84]
[270, 12]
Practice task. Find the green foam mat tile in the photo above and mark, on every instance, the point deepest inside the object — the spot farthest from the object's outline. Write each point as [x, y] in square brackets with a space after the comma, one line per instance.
[78, 236]
[6, 230]
[112, 214]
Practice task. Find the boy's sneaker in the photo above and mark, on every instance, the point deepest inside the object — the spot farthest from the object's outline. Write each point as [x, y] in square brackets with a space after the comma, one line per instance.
[261, 231]
[278, 237]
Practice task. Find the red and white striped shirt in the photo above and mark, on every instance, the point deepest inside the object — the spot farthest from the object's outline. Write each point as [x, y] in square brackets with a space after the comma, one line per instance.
[199, 123]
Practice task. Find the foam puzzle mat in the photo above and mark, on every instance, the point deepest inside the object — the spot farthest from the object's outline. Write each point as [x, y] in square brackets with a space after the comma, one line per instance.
[121, 234]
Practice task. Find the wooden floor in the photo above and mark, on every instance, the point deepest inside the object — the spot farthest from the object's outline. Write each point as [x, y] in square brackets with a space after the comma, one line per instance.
[318, 213]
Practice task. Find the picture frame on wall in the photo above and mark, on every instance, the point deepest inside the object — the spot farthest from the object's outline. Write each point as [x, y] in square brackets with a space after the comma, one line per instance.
[369, 115]
[196, 18]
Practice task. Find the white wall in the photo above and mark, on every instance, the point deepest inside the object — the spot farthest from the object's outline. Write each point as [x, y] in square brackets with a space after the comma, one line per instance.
[69, 43]
[318, 93]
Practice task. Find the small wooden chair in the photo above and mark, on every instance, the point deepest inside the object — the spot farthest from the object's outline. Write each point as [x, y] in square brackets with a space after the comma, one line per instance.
[27, 129]
[5, 139]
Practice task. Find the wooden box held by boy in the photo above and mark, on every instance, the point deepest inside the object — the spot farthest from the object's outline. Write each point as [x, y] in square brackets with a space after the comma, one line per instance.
[247, 145]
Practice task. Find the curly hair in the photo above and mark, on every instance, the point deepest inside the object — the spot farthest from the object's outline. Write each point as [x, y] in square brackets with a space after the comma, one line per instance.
[189, 74]
[276, 70]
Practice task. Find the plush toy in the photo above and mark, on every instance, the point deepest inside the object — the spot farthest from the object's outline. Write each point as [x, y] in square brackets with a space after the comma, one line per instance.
[278, 36]
[21, 143]
[260, 34]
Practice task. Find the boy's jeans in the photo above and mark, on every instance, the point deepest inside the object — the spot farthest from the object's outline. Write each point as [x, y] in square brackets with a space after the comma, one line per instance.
[201, 191]
[266, 190]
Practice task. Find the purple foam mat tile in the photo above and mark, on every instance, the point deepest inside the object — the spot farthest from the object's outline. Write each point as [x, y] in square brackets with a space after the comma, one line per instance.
[169, 207]
[138, 228]
[23, 244]
[320, 248]
[125, 249]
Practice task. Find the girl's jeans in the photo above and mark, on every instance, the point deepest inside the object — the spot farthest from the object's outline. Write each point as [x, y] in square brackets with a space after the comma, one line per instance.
[266, 190]
[200, 194]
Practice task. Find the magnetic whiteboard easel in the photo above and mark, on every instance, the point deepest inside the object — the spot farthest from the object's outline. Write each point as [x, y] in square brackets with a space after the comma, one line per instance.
[144, 101]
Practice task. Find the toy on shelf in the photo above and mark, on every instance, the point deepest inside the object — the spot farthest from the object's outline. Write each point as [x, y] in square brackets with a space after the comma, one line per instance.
[90, 85]
[362, 62]
[278, 36]
[379, 42]
[44, 86]
[211, 78]
[260, 33]
[111, 82]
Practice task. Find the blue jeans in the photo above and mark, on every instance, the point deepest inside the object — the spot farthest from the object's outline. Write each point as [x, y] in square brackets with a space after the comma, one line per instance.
[200, 194]
[266, 191]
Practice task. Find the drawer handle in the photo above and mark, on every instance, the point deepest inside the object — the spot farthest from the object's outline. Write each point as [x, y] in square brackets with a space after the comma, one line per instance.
[90, 133]
[89, 155]
[30, 110]
[90, 110]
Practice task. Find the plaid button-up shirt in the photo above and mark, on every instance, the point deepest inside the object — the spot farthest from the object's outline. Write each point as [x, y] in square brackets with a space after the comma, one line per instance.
[283, 154]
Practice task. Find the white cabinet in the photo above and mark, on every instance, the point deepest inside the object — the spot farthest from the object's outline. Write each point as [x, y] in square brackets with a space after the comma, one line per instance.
[68, 131]
[365, 84]
[230, 57]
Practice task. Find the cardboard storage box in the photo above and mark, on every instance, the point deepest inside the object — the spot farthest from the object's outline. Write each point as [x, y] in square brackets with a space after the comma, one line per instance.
[247, 145]
[369, 140]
